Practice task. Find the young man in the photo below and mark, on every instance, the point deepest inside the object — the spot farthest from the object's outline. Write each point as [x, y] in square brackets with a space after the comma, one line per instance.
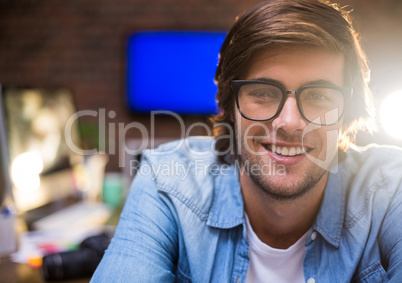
[277, 196]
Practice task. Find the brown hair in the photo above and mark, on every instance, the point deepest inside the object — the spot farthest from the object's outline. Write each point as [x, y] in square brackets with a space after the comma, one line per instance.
[289, 22]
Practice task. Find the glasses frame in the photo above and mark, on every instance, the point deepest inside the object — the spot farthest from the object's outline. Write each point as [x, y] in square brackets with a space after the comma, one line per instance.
[237, 84]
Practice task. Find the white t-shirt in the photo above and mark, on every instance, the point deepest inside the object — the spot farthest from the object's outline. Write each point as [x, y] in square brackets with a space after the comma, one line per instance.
[274, 265]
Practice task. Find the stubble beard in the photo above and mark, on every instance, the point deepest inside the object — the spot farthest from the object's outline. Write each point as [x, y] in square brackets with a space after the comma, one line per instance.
[274, 190]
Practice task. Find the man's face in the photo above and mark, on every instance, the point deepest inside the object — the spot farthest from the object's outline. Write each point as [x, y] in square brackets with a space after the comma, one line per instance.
[278, 142]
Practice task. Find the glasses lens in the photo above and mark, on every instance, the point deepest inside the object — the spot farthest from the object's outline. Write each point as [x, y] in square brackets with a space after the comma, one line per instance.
[322, 105]
[259, 101]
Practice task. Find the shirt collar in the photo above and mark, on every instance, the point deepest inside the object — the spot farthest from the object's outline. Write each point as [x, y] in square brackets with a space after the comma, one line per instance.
[227, 210]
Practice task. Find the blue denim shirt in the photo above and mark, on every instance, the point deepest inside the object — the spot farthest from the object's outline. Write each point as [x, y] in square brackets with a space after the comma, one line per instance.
[184, 221]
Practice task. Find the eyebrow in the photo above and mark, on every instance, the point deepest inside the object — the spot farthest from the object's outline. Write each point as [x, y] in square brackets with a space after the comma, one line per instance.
[315, 82]
[321, 82]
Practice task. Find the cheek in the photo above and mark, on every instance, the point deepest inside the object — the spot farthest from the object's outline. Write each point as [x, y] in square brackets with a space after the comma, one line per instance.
[253, 129]
[246, 130]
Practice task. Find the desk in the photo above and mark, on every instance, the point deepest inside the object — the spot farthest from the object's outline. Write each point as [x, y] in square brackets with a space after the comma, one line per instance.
[11, 272]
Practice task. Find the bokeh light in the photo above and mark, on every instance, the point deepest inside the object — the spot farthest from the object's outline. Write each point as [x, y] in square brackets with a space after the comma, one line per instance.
[391, 114]
[25, 170]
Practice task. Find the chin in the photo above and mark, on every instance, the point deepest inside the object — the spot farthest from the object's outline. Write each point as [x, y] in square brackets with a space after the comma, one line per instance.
[282, 189]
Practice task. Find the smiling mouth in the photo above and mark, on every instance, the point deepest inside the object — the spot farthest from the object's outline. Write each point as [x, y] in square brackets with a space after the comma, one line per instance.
[286, 150]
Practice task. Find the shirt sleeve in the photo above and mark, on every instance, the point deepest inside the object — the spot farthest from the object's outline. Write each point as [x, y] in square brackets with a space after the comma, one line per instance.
[391, 238]
[144, 247]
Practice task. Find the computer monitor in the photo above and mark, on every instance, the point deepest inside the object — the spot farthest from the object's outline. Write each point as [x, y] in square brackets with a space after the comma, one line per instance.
[173, 71]
[41, 162]
[7, 217]
[5, 183]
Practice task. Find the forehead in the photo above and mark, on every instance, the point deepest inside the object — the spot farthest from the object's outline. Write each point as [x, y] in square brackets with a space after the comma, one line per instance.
[297, 65]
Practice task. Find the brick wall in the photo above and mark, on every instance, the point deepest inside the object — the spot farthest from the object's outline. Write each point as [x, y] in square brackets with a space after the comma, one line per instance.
[82, 44]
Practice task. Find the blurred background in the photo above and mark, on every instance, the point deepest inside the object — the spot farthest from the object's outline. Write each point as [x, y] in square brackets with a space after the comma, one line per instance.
[82, 45]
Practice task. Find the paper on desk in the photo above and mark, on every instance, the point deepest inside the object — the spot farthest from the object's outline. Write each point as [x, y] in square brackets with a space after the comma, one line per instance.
[36, 244]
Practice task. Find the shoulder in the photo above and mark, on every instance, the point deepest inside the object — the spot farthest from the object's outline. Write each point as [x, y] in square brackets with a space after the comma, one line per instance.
[374, 161]
[372, 178]
[188, 148]
[181, 157]
[185, 171]
[375, 152]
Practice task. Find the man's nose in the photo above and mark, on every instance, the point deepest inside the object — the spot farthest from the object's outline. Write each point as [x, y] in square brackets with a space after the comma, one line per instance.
[289, 119]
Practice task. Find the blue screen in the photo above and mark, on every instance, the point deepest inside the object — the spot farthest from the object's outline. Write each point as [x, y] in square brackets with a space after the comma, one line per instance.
[173, 71]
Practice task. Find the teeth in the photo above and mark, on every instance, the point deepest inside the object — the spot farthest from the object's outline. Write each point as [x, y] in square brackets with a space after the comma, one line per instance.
[292, 151]
[285, 151]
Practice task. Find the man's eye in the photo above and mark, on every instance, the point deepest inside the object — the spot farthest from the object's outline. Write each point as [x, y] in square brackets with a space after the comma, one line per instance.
[263, 94]
[318, 96]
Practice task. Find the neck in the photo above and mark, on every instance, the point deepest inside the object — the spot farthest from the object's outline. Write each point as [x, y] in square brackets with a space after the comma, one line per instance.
[280, 223]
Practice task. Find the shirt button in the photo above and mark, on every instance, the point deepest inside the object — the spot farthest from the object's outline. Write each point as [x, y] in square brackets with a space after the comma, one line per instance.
[313, 237]
[311, 280]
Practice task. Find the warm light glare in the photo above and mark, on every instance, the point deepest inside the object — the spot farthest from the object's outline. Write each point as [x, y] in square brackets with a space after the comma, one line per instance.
[391, 114]
[25, 170]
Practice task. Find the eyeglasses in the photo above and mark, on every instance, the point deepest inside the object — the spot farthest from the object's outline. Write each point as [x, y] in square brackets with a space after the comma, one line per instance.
[262, 100]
